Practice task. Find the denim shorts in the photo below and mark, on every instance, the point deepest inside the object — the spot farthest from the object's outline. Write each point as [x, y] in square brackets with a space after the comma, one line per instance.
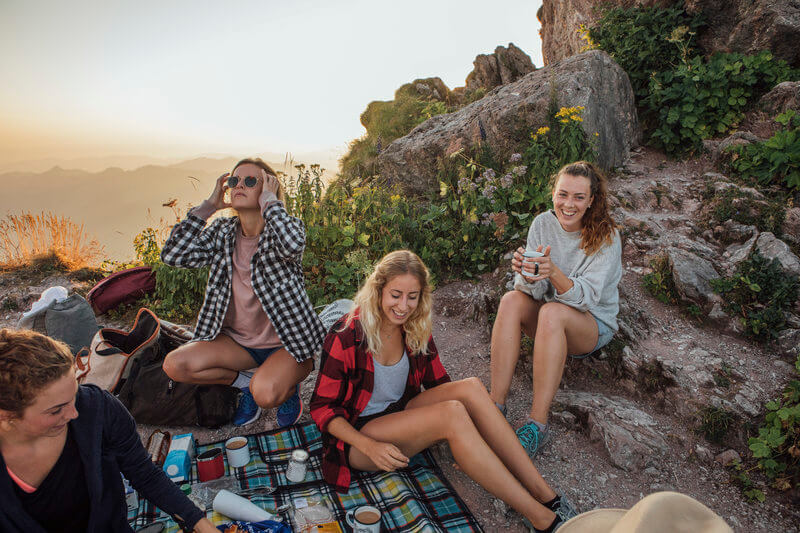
[604, 336]
[260, 355]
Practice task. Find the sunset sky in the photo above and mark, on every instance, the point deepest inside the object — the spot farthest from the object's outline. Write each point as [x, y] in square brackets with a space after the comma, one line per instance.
[178, 79]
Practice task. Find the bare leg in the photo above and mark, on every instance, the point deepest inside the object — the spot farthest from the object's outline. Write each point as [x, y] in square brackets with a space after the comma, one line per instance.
[274, 381]
[561, 329]
[494, 429]
[208, 362]
[449, 420]
[517, 312]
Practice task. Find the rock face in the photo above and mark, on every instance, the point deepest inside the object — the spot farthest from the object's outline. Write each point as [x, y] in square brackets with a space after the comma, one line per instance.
[505, 65]
[783, 96]
[692, 275]
[505, 117]
[750, 26]
[746, 26]
[629, 435]
[773, 248]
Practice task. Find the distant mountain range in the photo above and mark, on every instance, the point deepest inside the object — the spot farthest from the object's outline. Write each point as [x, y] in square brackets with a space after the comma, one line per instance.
[115, 204]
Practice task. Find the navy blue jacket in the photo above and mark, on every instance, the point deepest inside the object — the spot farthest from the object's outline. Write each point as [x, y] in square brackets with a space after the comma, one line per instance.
[108, 444]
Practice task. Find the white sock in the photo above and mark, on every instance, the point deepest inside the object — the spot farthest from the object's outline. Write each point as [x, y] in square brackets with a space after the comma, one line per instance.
[242, 380]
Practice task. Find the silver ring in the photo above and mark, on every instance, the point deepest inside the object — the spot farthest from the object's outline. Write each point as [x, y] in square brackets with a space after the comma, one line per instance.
[536, 269]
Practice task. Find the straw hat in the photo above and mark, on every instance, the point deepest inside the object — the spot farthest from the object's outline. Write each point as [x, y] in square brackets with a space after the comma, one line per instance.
[661, 512]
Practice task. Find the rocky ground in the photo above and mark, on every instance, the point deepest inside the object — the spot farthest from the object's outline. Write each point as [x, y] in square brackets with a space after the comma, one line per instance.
[625, 422]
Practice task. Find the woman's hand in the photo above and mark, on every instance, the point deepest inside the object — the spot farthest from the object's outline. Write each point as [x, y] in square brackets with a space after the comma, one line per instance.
[385, 455]
[271, 183]
[205, 526]
[217, 198]
[529, 270]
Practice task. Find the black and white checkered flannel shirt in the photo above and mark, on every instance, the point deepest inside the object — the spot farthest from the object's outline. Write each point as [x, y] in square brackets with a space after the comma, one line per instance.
[276, 275]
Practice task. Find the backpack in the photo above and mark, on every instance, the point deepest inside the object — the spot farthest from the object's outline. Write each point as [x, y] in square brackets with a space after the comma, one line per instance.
[129, 365]
[121, 287]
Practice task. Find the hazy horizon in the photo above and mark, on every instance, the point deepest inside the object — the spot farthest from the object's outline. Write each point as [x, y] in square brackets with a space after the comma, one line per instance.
[170, 81]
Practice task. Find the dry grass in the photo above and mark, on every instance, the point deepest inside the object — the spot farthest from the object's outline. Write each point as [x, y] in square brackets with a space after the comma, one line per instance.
[26, 237]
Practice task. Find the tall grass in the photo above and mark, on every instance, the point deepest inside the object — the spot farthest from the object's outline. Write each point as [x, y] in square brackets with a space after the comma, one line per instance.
[27, 236]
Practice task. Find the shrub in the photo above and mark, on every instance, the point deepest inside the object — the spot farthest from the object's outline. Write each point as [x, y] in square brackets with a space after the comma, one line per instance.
[645, 41]
[700, 99]
[682, 98]
[758, 293]
[714, 423]
[774, 161]
[777, 446]
[26, 236]
[740, 206]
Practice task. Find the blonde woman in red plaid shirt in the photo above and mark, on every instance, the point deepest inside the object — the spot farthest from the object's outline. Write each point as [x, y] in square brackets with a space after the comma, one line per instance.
[369, 403]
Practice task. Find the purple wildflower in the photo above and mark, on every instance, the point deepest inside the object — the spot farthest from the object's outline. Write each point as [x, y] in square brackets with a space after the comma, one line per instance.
[519, 170]
[506, 181]
[516, 158]
[488, 191]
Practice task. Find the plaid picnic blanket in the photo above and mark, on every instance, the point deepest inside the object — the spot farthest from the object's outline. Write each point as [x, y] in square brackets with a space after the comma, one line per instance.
[415, 499]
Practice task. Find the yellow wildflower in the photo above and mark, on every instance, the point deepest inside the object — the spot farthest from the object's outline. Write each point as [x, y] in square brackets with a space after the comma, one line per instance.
[542, 130]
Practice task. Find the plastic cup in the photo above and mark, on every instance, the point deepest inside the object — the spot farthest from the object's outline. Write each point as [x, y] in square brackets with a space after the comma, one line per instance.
[238, 508]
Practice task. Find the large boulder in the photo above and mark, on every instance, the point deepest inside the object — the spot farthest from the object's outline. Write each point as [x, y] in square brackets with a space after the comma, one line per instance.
[746, 26]
[505, 117]
[505, 65]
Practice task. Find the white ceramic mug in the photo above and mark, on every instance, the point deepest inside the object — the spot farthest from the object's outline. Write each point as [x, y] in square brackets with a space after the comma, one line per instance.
[238, 452]
[529, 254]
[364, 519]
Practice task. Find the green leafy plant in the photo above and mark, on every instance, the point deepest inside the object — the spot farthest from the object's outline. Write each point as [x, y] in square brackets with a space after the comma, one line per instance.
[646, 40]
[758, 293]
[749, 490]
[741, 206]
[774, 161]
[714, 423]
[659, 282]
[777, 446]
[699, 99]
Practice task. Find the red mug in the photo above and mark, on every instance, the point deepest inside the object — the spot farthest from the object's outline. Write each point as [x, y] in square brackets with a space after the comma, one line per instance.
[210, 465]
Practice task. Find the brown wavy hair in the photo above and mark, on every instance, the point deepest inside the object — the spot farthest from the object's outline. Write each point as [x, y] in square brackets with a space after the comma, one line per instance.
[598, 226]
[29, 362]
[260, 163]
[367, 302]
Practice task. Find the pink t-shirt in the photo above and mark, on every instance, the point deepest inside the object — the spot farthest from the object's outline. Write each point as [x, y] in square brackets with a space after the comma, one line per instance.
[245, 321]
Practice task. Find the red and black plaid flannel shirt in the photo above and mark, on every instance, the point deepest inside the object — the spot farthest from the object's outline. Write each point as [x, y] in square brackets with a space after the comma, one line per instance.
[344, 387]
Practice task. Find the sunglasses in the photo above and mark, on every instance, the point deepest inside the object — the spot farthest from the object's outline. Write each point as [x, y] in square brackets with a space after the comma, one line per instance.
[249, 181]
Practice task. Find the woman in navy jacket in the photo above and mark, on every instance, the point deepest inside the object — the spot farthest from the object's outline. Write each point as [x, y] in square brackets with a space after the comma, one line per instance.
[64, 446]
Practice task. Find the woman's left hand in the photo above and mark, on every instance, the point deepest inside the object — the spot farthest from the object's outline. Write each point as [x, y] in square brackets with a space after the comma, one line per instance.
[545, 267]
[271, 184]
[205, 526]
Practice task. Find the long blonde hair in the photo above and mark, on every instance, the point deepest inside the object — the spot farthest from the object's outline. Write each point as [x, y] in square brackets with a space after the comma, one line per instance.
[367, 301]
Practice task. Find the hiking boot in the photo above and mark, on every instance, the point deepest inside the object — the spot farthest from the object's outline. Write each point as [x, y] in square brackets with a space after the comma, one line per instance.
[532, 438]
[247, 411]
[564, 509]
[291, 410]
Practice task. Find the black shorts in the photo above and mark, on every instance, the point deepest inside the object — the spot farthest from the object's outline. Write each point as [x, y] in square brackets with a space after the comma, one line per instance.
[362, 421]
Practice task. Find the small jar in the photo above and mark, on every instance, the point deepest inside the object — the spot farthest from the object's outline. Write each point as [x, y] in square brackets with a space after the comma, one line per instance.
[297, 467]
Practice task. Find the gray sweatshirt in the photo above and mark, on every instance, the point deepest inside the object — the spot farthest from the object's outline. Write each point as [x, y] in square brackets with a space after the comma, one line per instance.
[595, 277]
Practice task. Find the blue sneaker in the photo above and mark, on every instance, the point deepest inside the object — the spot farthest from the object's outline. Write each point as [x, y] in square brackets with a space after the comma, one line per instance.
[532, 438]
[291, 410]
[247, 411]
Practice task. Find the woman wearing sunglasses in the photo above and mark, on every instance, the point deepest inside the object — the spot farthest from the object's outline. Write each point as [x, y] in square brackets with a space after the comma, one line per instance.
[256, 312]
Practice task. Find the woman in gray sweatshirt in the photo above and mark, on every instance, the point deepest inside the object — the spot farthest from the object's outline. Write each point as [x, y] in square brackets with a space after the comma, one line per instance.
[566, 299]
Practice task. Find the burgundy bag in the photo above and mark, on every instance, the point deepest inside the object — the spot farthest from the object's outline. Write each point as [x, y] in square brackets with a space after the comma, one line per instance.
[121, 287]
